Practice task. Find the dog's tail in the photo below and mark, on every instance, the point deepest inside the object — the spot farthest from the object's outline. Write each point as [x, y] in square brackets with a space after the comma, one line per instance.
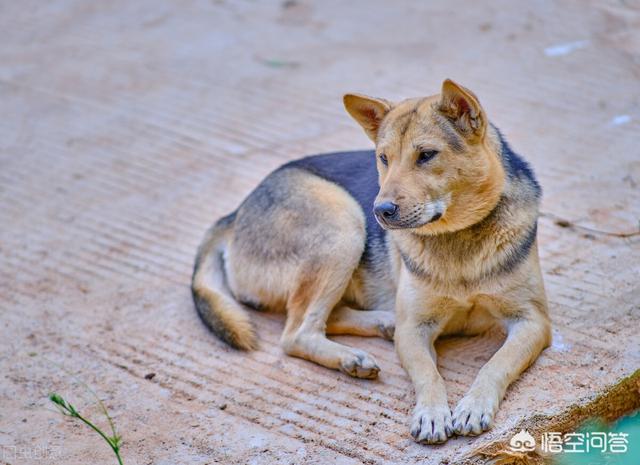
[216, 306]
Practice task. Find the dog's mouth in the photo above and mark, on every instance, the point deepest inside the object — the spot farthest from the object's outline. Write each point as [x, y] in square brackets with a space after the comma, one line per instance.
[431, 213]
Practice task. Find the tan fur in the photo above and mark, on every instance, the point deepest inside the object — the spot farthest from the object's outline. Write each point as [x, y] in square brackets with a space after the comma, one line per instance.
[309, 289]
[456, 292]
[296, 244]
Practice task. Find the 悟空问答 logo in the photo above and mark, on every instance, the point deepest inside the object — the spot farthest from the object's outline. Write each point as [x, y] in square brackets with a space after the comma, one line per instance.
[522, 442]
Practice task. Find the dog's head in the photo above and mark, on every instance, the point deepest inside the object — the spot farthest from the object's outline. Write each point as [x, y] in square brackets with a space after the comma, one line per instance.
[438, 165]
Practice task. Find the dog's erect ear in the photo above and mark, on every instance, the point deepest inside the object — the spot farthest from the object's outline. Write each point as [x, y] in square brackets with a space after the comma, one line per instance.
[462, 107]
[367, 111]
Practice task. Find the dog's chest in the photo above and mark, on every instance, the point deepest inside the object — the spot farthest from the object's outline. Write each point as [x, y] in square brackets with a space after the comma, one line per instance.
[447, 263]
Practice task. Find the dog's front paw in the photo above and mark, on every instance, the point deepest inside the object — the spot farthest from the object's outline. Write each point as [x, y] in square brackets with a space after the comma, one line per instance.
[431, 424]
[359, 364]
[474, 414]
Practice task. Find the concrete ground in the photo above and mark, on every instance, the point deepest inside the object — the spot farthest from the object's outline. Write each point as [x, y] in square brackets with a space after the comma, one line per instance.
[127, 128]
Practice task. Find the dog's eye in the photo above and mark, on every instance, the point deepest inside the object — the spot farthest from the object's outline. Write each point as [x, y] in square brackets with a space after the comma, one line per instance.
[426, 155]
[383, 159]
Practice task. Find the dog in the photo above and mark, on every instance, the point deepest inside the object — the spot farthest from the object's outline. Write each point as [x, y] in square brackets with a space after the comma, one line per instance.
[438, 223]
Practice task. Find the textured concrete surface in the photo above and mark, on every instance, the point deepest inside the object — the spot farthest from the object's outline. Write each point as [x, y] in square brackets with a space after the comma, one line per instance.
[128, 127]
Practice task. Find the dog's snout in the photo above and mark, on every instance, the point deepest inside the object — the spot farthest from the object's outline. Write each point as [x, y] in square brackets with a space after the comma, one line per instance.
[386, 210]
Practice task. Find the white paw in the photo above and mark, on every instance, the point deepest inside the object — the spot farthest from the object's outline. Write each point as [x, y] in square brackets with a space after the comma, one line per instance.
[474, 414]
[431, 425]
[359, 364]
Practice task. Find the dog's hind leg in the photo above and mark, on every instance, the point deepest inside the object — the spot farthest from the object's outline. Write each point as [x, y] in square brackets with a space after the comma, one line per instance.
[376, 323]
[297, 242]
[308, 310]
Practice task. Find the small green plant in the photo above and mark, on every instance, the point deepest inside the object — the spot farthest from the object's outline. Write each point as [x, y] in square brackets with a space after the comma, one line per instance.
[70, 411]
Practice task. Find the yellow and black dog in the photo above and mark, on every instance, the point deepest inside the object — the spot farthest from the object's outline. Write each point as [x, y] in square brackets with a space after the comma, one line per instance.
[438, 223]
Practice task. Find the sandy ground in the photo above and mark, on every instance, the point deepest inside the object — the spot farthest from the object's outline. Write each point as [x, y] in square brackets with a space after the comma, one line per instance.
[128, 127]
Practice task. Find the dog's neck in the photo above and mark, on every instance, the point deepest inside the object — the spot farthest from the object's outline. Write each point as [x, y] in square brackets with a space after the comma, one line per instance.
[469, 256]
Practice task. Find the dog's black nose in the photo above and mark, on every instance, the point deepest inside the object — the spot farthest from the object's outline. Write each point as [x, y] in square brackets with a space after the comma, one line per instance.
[385, 210]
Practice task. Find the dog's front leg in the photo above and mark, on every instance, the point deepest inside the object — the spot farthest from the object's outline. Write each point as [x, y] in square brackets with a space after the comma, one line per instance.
[417, 328]
[528, 333]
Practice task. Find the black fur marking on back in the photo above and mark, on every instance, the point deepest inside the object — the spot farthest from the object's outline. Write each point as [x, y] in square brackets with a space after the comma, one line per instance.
[356, 173]
[515, 166]
[227, 220]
